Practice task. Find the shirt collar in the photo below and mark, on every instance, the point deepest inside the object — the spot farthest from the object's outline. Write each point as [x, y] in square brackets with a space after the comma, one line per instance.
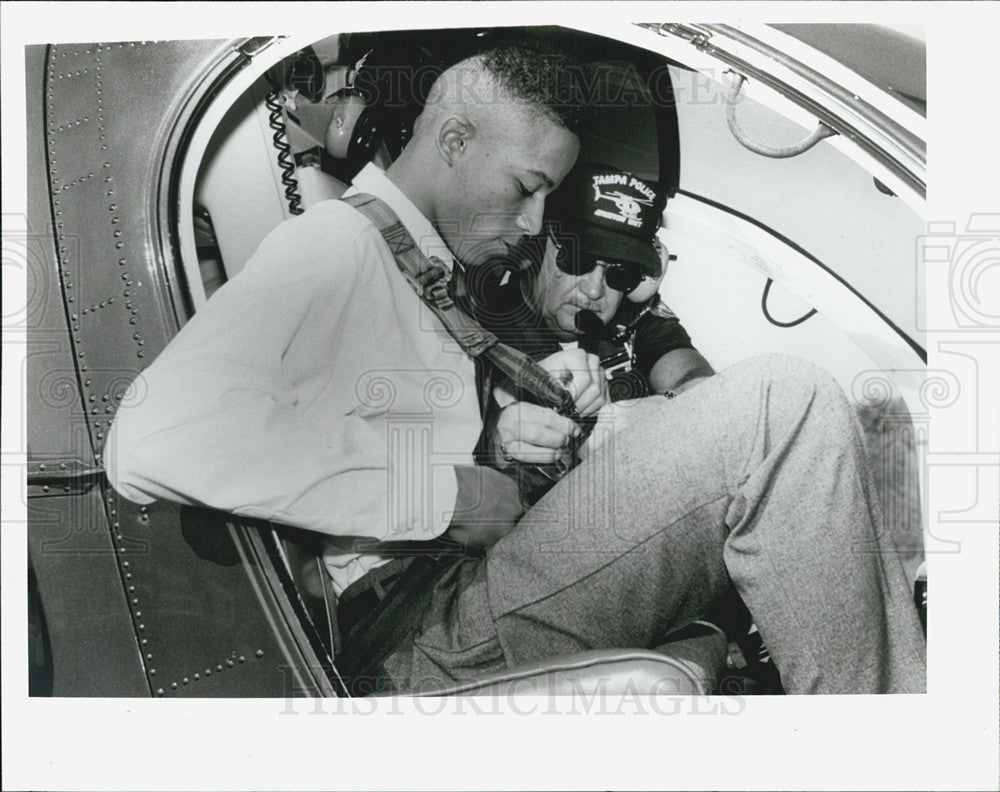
[372, 180]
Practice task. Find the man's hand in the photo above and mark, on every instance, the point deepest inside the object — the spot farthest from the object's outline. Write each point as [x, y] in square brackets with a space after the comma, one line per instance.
[581, 373]
[487, 506]
[530, 433]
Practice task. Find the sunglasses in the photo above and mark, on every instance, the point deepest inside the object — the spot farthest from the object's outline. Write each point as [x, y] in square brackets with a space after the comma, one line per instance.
[622, 276]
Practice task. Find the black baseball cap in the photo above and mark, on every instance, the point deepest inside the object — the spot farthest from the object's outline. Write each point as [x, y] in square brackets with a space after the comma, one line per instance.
[613, 214]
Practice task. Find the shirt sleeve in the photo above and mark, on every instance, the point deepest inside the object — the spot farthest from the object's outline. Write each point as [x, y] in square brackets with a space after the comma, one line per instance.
[214, 421]
[658, 332]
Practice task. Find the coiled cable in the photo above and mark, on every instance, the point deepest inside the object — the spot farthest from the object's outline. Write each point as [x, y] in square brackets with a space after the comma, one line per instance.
[280, 141]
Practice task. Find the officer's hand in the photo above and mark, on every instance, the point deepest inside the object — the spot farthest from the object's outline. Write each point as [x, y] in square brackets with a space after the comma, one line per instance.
[534, 434]
[582, 374]
[487, 506]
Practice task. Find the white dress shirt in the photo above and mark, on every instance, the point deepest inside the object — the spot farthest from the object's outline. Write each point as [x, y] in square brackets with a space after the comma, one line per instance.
[314, 389]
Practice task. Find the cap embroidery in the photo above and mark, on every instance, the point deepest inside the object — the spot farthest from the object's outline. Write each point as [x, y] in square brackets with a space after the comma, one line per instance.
[628, 206]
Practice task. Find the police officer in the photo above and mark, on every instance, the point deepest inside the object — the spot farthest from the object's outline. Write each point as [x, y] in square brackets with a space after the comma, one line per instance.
[598, 246]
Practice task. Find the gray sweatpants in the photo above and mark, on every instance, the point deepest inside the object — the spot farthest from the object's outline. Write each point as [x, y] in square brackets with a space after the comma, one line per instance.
[757, 475]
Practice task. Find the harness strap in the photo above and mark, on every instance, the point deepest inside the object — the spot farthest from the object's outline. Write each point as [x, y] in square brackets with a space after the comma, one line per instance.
[428, 277]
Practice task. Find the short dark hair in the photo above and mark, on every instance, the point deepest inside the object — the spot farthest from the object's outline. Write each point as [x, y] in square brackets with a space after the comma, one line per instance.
[540, 75]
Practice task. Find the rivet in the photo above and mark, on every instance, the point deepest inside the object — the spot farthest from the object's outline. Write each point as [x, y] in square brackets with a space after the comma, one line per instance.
[100, 435]
[121, 549]
[92, 398]
[113, 207]
[197, 677]
[185, 680]
[102, 304]
[131, 321]
[149, 656]
[85, 310]
[93, 411]
[97, 423]
[139, 353]
[107, 409]
[145, 517]
[143, 642]
[45, 488]
[135, 336]
[159, 691]
[141, 343]
[131, 589]
[128, 575]
[173, 686]
[62, 466]
[117, 234]
[114, 221]
[79, 354]
[83, 368]
[137, 613]
[41, 466]
[74, 317]
[124, 276]
[135, 312]
[105, 398]
[242, 659]
[111, 300]
[119, 245]
[152, 672]
[208, 672]
[142, 626]
[125, 564]
[230, 663]
[218, 667]
[69, 299]
[86, 382]
[259, 653]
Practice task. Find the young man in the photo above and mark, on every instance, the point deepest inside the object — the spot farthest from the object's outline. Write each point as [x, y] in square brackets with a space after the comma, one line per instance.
[317, 389]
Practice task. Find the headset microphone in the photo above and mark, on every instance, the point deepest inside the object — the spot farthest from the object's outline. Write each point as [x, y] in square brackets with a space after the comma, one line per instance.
[589, 323]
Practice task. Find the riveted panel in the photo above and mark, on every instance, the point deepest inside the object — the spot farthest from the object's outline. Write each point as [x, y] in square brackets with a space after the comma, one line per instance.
[197, 614]
[94, 650]
[110, 107]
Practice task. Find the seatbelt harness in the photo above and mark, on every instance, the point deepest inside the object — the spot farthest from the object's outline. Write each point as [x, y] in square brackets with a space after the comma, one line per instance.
[429, 279]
